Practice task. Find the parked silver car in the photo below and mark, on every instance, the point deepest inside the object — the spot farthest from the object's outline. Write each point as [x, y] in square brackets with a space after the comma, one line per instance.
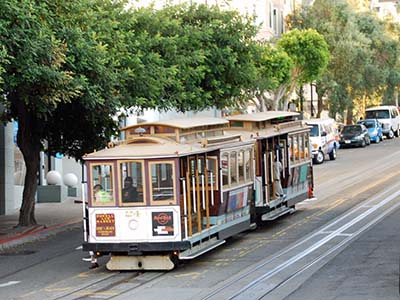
[388, 116]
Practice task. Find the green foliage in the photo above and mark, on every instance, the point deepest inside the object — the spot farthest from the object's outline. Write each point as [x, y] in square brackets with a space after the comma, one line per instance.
[91, 58]
[3, 62]
[274, 68]
[207, 55]
[364, 54]
[308, 51]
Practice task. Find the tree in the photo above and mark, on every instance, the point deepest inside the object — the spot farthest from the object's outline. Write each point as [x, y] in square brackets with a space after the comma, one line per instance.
[213, 54]
[72, 65]
[364, 56]
[310, 56]
[3, 61]
[63, 79]
[274, 68]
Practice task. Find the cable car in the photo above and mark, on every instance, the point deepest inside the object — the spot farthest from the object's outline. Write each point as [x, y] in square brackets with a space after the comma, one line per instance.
[176, 189]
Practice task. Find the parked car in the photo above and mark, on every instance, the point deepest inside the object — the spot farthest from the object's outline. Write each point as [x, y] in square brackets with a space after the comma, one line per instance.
[374, 129]
[388, 116]
[354, 135]
[324, 139]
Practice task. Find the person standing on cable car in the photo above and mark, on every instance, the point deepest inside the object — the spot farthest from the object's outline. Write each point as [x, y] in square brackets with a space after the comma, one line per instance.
[277, 170]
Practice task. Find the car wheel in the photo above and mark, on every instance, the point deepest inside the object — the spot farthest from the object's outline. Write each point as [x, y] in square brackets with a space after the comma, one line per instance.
[363, 143]
[397, 133]
[378, 139]
[391, 134]
[319, 159]
[368, 141]
[333, 154]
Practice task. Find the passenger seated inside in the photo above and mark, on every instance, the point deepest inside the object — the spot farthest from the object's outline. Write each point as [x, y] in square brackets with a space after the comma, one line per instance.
[129, 192]
[100, 195]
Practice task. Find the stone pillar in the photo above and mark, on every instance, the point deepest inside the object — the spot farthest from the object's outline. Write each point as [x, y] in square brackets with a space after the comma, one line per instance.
[7, 200]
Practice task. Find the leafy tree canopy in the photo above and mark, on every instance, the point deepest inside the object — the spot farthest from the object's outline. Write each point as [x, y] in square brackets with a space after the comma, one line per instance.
[274, 68]
[308, 51]
[364, 52]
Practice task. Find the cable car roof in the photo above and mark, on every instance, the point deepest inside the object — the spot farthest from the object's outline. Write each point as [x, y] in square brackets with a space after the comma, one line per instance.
[184, 123]
[263, 116]
[142, 147]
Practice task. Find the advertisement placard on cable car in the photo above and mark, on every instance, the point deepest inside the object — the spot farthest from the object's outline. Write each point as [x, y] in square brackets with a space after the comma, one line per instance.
[134, 224]
[237, 199]
[163, 223]
[105, 225]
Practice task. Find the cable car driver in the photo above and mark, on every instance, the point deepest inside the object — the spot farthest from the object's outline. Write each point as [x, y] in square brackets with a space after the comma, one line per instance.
[129, 192]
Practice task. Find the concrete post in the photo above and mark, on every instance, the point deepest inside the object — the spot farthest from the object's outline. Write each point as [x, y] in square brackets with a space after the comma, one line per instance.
[7, 201]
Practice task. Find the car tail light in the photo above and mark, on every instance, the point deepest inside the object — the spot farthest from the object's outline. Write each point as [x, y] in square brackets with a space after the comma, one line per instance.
[310, 192]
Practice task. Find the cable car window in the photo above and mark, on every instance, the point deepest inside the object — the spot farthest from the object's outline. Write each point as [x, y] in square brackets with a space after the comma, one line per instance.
[200, 165]
[162, 181]
[233, 168]
[291, 148]
[307, 146]
[240, 160]
[301, 147]
[225, 168]
[102, 185]
[248, 165]
[295, 148]
[131, 181]
[212, 169]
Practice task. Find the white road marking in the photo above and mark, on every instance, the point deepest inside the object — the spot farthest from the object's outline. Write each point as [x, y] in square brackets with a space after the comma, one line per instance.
[320, 243]
[79, 247]
[392, 193]
[9, 283]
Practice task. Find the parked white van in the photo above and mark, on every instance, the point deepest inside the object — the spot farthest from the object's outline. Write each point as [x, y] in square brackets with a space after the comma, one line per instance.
[389, 117]
[324, 139]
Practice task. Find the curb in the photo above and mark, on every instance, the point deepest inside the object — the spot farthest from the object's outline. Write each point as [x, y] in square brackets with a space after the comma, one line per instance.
[36, 233]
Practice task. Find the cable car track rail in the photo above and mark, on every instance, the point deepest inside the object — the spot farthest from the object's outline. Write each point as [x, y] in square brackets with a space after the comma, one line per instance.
[111, 286]
[266, 277]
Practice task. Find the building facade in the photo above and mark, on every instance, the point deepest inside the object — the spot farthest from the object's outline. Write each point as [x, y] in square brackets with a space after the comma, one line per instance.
[269, 15]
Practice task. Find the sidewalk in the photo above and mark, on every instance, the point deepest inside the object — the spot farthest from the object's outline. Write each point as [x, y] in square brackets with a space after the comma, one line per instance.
[51, 218]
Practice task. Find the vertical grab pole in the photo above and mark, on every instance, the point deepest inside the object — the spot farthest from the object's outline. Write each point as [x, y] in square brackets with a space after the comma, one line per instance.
[194, 194]
[271, 167]
[185, 207]
[85, 217]
[207, 184]
[212, 188]
[288, 155]
[221, 182]
[203, 193]
[266, 178]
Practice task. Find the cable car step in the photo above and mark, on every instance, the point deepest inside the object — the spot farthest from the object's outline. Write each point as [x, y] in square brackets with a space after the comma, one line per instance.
[144, 262]
[276, 213]
[199, 250]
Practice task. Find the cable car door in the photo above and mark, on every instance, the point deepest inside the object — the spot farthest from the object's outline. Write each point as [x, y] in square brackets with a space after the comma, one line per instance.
[195, 186]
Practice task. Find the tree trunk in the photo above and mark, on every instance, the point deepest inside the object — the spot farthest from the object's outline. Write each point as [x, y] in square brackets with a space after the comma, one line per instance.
[349, 118]
[278, 95]
[292, 87]
[320, 106]
[29, 145]
[27, 210]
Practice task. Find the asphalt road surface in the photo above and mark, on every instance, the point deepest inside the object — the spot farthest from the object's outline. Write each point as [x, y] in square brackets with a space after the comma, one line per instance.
[343, 245]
